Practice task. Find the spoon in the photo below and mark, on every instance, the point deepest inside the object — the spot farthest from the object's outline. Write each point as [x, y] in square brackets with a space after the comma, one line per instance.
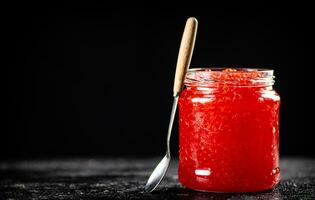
[183, 62]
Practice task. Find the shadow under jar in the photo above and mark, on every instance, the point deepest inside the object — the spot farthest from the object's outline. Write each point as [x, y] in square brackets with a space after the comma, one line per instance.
[229, 130]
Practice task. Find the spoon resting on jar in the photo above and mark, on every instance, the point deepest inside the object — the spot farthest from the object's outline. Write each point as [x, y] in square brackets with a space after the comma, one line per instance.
[183, 62]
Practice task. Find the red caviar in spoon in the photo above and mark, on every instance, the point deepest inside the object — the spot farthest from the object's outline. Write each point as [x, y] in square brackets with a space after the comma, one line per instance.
[229, 130]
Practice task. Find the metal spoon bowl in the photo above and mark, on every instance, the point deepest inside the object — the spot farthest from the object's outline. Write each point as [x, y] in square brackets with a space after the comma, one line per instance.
[160, 170]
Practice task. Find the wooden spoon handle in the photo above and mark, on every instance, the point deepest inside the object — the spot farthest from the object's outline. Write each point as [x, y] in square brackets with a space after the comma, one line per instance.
[185, 52]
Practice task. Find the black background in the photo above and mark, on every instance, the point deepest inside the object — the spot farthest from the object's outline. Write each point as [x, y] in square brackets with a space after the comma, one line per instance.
[96, 80]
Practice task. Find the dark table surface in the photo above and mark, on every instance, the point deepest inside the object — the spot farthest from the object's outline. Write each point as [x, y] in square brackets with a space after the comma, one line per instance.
[125, 179]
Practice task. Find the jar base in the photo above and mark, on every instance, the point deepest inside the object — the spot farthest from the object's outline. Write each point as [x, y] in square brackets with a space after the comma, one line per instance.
[232, 192]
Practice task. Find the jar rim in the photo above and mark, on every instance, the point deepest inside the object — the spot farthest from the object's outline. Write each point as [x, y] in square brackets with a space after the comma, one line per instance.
[241, 77]
[218, 69]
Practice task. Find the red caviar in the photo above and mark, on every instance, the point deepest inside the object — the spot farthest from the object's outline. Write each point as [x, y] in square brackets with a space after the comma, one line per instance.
[229, 130]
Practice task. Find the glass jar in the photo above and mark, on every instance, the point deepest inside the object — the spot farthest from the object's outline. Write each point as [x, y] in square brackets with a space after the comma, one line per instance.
[229, 130]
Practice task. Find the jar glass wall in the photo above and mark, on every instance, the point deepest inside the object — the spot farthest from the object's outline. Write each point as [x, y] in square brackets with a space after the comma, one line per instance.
[229, 130]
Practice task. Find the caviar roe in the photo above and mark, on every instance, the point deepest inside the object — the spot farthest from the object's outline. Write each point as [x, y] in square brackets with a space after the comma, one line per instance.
[229, 130]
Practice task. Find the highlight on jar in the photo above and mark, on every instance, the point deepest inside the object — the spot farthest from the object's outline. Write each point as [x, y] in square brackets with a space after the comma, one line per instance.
[229, 130]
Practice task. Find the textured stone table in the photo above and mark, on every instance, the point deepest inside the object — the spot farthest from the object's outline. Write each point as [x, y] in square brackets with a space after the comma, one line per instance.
[125, 178]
